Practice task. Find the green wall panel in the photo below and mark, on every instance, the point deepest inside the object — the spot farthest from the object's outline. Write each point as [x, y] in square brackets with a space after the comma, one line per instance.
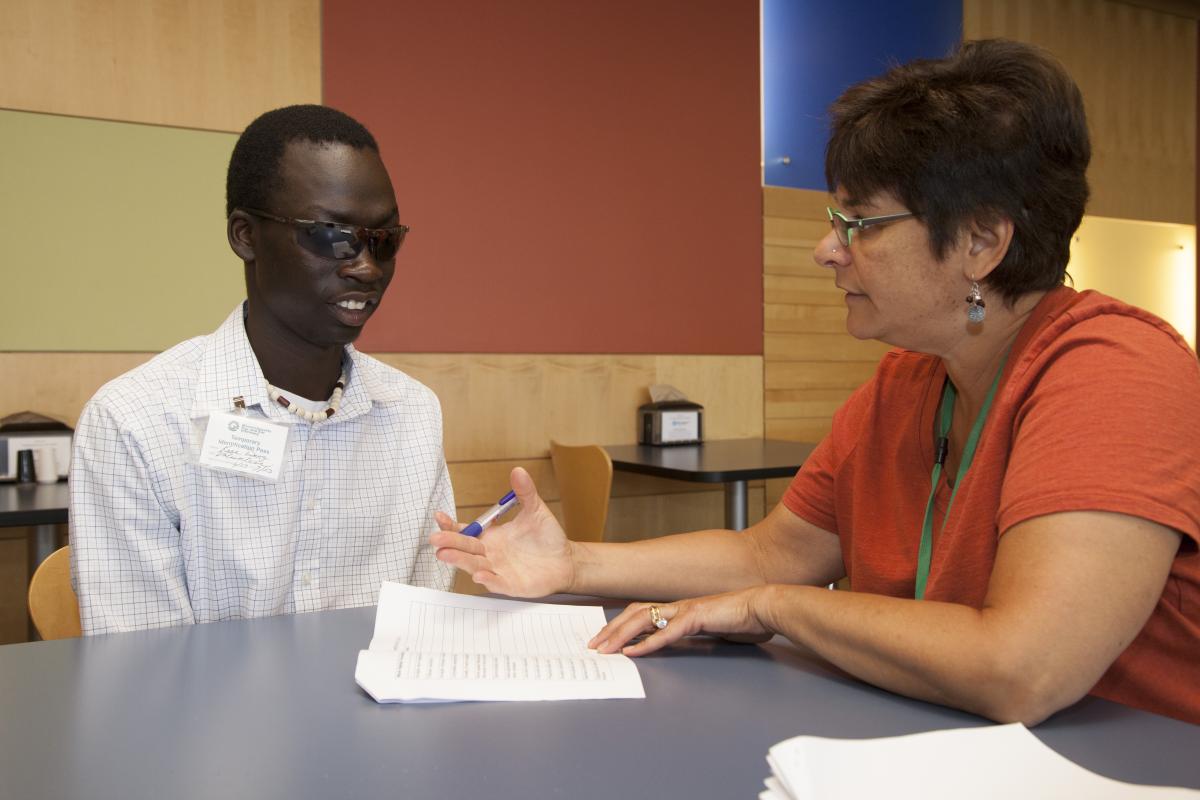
[116, 234]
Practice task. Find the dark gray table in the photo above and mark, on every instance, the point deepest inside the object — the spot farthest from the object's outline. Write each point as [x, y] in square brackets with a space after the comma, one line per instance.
[732, 462]
[269, 709]
[39, 506]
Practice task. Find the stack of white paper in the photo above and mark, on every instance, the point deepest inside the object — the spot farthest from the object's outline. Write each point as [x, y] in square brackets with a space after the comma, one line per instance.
[432, 646]
[1001, 761]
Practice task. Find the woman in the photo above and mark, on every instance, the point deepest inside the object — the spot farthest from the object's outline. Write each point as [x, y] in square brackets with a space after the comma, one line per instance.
[1015, 494]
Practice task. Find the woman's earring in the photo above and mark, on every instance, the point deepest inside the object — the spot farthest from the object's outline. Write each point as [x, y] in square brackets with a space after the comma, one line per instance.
[976, 308]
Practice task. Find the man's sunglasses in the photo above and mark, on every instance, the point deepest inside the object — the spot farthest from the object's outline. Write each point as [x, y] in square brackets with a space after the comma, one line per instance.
[340, 242]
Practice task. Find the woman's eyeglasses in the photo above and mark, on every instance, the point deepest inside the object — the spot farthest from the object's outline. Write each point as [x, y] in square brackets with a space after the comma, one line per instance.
[340, 242]
[845, 226]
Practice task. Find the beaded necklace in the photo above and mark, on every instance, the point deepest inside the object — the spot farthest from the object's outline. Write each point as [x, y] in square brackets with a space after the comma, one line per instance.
[335, 400]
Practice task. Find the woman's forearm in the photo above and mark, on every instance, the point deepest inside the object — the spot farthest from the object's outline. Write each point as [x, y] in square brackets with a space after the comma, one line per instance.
[941, 652]
[780, 548]
[667, 568]
[1041, 640]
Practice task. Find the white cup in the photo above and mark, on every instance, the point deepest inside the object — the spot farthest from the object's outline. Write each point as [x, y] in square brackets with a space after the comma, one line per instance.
[46, 465]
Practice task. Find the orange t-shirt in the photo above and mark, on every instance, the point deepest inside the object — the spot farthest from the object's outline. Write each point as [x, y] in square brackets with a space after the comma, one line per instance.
[1098, 409]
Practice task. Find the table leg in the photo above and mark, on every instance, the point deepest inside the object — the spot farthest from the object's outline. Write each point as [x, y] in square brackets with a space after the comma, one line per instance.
[45, 542]
[735, 505]
[42, 541]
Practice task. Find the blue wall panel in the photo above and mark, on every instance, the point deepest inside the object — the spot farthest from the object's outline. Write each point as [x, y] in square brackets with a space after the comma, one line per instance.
[814, 49]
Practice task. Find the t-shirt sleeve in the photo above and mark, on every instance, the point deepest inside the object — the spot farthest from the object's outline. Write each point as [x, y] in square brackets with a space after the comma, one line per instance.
[1112, 425]
[812, 494]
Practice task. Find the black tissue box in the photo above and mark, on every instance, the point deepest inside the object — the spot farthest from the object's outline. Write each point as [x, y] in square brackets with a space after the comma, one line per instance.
[671, 422]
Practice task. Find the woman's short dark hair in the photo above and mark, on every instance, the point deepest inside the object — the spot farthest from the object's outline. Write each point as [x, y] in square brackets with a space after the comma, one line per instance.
[253, 176]
[995, 130]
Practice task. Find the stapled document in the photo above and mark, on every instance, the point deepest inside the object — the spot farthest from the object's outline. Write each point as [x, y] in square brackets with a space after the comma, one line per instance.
[432, 646]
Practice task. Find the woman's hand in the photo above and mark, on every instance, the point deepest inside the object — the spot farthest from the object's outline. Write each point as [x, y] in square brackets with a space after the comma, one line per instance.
[529, 556]
[734, 615]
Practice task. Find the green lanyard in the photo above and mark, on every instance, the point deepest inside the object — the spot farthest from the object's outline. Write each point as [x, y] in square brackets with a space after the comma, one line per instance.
[925, 554]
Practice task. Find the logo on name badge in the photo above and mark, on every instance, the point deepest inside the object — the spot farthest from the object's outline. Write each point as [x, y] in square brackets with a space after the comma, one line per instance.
[233, 426]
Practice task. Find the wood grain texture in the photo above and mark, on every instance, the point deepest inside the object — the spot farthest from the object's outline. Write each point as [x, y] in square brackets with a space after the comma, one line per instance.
[810, 364]
[804, 429]
[210, 64]
[650, 516]
[495, 407]
[499, 407]
[794, 204]
[499, 412]
[646, 516]
[773, 491]
[479, 483]
[817, 375]
[58, 384]
[1180, 8]
[1136, 68]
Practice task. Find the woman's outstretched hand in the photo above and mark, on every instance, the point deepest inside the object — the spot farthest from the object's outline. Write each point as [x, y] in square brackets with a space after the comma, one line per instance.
[529, 556]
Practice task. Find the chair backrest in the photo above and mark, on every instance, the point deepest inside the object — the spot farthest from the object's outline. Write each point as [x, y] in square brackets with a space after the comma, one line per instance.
[584, 474]
[53, 606]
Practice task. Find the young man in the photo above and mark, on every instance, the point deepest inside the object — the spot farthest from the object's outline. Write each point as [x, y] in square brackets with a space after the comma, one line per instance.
[269, 467]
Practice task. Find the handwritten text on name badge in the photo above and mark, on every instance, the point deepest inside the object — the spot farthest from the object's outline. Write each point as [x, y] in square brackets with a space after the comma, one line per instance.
[235, 443]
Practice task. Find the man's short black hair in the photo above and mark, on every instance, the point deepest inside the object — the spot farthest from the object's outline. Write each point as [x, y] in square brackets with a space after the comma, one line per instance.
[253, 177]
[995, 130]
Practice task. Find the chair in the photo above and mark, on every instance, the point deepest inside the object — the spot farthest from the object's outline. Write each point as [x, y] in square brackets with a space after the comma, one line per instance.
[53, 606]
[584, 474]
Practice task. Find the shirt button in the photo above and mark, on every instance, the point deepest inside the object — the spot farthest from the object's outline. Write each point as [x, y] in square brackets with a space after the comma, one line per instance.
[307, 579]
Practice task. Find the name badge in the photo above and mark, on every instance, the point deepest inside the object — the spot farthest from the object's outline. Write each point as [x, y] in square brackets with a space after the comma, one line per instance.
[252, 447]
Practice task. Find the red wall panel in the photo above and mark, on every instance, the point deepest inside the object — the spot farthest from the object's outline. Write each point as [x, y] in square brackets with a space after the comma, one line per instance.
[580, 177]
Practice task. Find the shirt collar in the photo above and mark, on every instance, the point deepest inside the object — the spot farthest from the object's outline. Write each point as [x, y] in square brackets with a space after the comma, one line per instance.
[230, 369]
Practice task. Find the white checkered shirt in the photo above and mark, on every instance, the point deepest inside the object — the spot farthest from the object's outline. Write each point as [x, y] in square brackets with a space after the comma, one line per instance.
[158, 540]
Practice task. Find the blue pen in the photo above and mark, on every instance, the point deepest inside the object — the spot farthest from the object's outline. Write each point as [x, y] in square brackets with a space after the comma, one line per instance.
[488, 517]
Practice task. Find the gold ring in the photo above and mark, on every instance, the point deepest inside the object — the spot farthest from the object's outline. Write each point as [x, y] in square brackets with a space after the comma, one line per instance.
[656, 618]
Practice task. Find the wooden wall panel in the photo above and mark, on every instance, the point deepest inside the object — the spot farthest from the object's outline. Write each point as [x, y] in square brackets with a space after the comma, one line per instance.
[58, 384]
[647, 516]
[496, 407]
[211, 64]
[501, 407]
[810, 364]
[500, 412]
[1136, 68]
